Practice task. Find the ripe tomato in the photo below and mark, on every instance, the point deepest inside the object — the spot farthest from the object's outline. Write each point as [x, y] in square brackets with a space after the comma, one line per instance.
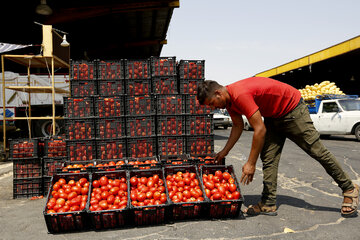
[232, 187]
[226, 175]
[104, 181]
[133, 181]
[96, 184]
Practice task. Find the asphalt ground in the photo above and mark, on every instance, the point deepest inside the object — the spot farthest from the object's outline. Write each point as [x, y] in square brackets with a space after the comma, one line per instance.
[308, 202]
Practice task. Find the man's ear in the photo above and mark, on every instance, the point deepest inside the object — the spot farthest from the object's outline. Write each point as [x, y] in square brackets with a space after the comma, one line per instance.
[217, 93]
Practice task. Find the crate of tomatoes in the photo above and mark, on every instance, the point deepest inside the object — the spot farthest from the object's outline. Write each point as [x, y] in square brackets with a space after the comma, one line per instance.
[143, 163]
[149, 198]
[108, 205]
[110, 165]
[66, 201]
[222, 190]
[186, 193]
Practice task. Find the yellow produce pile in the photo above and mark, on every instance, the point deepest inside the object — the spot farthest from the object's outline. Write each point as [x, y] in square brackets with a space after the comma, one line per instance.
[326, 87]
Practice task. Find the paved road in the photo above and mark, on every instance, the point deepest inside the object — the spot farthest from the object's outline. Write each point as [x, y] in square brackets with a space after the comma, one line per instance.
[308, 202]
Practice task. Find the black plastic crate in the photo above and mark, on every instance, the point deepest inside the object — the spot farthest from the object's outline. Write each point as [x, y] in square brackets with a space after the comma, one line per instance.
[199, 124]
[55, 146]
[183, 159]
[79, 129]
[191, 69]
[141, 147]
[66, 221]
[164, 85]
[83, 88]
[81, 150]
[83, 70]
[163, 66]
[46, 183]
[137, 69]
[78, 107]
[193, 106]
[110, 128]
[111, 87]
[170, 104]
[200, 145]
[189, 86]
[138, 87]
[140, 126]
[143, 163]
[110, 218]
[139, 105]
[110, 165]
[111, 149]
[77, 167]
[171, 145]
[27, 187]
[151, 213]
[52, 164]
[27, 168]
[195, 207]
[110, 69]
[170, 125]
[24, 148]
[229, 208]
[205, 159]
[109, 106]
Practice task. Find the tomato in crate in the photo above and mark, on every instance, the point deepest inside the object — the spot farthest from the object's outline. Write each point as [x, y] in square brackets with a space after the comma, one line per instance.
[199, 124]
[171, 145]
[53, 164]
[140, 126]
[110, 128]
[111, 87]
[136, 87]
[139, 105]
[83, 88]
[83, 70]
[113, 149]
[168, 125]
[191, 69]
[163, 66]
[141, 147]
[110, 70]
[24, 148]
[143, 163]
[137, 69]
[27, 187]
[81, 150]
[183, 159]
[55, 146]
[200, 144]
[170, 104]
[109, 106]
[27, 168]
[78, 167]
[164, 85]
[78, 107]
[193, 106]
[79, 129]
[110, 165]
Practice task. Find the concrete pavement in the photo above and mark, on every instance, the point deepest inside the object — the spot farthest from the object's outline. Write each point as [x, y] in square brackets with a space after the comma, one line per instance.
[308, 203]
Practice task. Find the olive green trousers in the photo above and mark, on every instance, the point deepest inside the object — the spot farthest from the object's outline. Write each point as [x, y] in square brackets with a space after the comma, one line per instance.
[298, 127]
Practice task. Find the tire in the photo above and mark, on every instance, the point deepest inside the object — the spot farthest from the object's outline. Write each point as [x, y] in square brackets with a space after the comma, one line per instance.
[246, 127]
[357, 132]
[44, 128]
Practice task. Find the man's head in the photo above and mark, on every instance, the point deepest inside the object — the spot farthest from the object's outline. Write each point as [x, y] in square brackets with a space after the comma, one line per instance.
[212, 94]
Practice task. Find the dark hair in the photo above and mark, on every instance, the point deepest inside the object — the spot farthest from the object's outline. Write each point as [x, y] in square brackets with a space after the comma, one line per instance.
[206, 90]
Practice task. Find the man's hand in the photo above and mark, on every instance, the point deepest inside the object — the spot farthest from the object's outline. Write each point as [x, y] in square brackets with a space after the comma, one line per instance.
[219, 157]
[248, 171]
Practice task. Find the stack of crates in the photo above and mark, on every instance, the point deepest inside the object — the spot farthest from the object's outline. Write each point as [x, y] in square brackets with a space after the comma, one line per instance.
[199, 120]
[139, 109]
[27, 168]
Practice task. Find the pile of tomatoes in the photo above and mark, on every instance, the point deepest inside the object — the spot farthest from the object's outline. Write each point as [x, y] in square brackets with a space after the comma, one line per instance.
[184, 187]
[147, 191]
[220, 186]
[108, 194]
[68, 196]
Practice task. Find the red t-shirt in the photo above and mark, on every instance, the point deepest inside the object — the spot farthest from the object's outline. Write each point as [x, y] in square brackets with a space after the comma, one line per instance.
[272, 98]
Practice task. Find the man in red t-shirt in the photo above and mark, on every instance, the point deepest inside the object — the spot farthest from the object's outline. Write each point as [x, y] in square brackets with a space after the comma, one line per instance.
[285, 116]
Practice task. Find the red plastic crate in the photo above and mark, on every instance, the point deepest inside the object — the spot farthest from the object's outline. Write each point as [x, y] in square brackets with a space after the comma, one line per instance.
[110, 69]
[110, 218]
[111, 87]
[196, 206]
[189, 86]
[163, 66]
[67, 221]
[27, 187]
[24, 148]
[51, 165]
[164, 85]
[229, 208]
[79, 129]
[83, 70]
[193, 106]
[139, 105]
[199, 124]
[200, 145]
[152, 213]
[27, 168]
[55, 146]
[191, 69]
[83, 88]
[81, 150]
[78, 107]
[171, 145]
[109, 106]
[137, 69]
[110, 128]
[170, 104]
[136, 87]
[111, 149]
[170, 125]
[141, 147]
[140, 126]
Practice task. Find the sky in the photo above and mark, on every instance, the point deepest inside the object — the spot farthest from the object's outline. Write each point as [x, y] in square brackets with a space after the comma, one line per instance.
[238, 38]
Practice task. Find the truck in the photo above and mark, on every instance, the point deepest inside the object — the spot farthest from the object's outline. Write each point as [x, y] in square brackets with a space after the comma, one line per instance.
[336, 115]
[41, 104]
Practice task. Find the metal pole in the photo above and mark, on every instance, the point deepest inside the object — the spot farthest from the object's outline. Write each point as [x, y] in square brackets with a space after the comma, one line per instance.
[4, 106]
[53, 95]
[29, 98]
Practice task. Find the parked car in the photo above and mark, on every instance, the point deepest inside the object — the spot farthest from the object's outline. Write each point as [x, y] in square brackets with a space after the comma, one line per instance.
[221, 119]
[247, 125]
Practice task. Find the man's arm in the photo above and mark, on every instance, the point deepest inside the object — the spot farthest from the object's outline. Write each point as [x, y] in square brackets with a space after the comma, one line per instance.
[248, 169]
[236, 130]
